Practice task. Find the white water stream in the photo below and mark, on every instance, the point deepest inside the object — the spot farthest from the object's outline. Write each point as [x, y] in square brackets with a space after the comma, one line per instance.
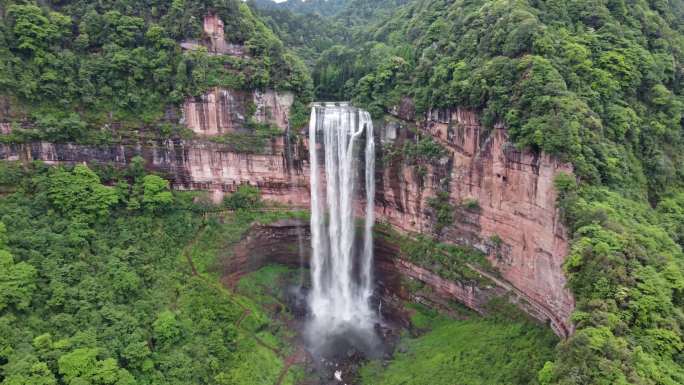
[342, 282]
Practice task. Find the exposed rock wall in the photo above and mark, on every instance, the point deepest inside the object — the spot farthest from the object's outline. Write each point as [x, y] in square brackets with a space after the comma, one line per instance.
[221, 111]
[277, 242]
[283, 241]
[389, 263]
[215, 40]
[516, 223]
[213, 28]
[190, 165]
[216, 112]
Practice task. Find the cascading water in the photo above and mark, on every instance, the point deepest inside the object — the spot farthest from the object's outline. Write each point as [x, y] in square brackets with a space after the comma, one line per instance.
[341, 278]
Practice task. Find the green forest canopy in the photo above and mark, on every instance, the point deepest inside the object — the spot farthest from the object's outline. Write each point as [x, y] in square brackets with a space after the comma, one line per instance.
[96, 287]
[77, 66]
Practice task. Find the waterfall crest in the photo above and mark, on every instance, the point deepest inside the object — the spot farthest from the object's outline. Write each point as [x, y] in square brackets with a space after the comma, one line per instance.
[341, 277]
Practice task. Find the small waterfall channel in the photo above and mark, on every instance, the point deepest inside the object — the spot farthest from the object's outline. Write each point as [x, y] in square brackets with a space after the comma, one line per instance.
[341, 273]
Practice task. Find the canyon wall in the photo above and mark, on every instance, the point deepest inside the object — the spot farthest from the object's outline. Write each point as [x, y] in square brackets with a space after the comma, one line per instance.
[222, 111]
[188, 164]
[287, 242]
[504, 197]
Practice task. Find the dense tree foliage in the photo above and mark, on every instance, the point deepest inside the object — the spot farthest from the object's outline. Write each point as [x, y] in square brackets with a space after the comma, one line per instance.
[332, 38]
[308, 34]
[626, 268]
[81, 63]
[598, 83]
[97, 290]
[301, 7]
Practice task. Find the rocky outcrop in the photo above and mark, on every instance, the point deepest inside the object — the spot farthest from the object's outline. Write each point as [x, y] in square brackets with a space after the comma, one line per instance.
[215, 40]
[395, 268]
[221, 110]
[505, 200]
[216, 112]
[273, 107]
[213, 28]
[288, 241]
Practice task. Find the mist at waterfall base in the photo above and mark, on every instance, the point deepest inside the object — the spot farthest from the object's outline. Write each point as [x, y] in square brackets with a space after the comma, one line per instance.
[341, 317]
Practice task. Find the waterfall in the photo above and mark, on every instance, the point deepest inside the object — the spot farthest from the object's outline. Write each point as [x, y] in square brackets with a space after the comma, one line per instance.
[342, 283]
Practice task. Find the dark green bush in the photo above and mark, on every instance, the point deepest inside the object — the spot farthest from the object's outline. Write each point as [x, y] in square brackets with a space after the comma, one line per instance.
[246, 197]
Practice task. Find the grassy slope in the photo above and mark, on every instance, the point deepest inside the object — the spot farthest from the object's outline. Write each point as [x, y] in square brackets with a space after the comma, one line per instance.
[468, 352]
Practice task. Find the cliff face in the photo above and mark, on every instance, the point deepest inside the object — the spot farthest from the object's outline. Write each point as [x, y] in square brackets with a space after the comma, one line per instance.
[214, 39]
[221, 111]
[190, 165]
[285, 242]
[505, 205]
[514, 219]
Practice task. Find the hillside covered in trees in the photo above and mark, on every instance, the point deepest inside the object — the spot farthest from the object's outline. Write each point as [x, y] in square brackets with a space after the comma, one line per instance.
[77, 67]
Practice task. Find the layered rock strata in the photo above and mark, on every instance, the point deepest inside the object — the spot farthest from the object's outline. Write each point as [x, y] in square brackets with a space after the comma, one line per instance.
[505, 205]
[504, 197]
[222, 111]
[189, 165]
[287, 242]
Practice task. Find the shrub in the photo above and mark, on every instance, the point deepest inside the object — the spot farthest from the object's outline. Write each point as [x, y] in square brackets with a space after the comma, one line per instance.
[246, 197]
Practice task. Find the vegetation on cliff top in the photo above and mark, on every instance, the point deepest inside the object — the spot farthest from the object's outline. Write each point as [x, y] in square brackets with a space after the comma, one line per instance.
[597, 83]
[75, 67]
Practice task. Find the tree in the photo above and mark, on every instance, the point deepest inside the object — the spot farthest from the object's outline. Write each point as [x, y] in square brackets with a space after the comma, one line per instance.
[166, 328]
[17, 280]
[30, 372]
[245, 197]
[79, 193]
[32, 29]
[156, 192]
[81, 367]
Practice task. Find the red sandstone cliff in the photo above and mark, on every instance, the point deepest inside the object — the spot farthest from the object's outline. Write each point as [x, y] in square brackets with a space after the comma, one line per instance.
[214, 39]
[221, 111]
[517, 223]
[190, 165]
